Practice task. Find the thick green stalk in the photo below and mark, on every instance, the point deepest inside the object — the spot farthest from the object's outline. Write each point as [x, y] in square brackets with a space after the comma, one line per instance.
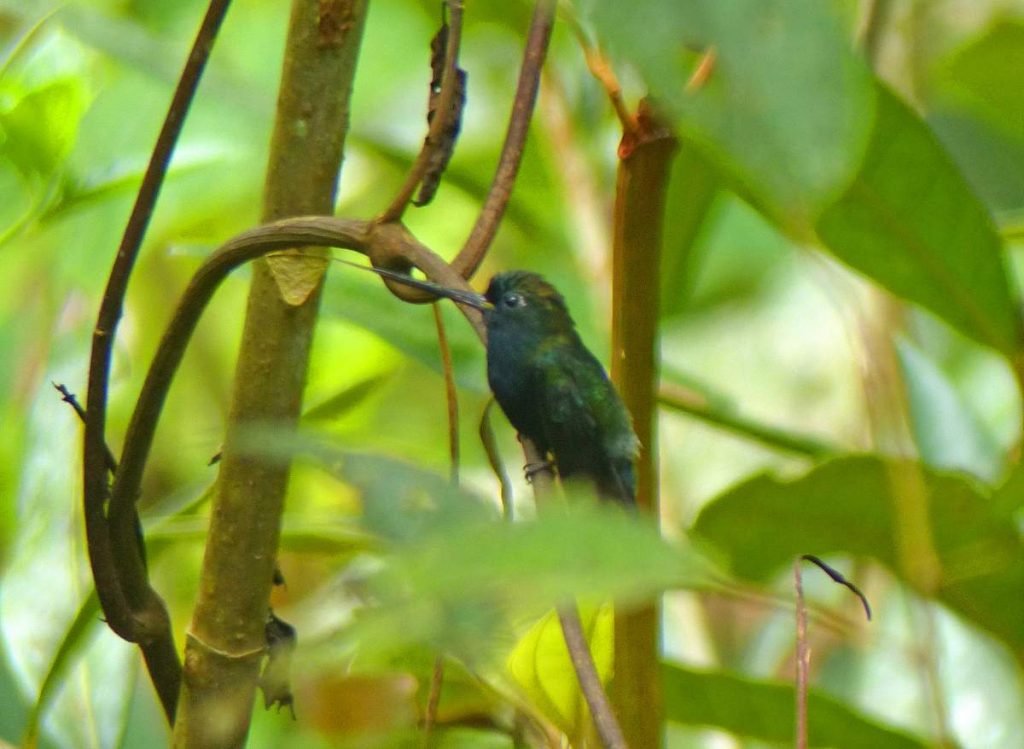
[646, 155]
[226, 639]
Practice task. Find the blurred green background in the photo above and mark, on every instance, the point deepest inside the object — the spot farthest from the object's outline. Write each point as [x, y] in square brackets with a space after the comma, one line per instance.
[910, 177]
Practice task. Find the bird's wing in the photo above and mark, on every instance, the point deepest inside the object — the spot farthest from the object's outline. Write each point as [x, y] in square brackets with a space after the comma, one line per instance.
[586, 425]
[567, 412]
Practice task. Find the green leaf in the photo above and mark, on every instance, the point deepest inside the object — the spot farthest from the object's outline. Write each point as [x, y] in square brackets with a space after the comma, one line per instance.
[344, 400]
[693, 187]
[910, 222]
[772, 60]
[56, 647]
[541, 665]
[948, 435]
[39, 130]
[987, 75]
[849, 506]
[453, 574]
[409, 328]
[764, 710]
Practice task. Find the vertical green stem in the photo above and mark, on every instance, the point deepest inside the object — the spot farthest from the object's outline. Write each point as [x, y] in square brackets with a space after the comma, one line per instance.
[639, 207]
[226, 640]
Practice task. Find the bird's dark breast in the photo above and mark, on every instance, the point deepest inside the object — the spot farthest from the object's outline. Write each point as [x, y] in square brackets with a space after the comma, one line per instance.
[513, 380]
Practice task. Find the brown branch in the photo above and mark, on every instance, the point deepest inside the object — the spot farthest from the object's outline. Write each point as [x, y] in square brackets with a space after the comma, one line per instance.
[590, 682]
[803, 658]
[68, 397]
[479, 241]
[449, 80]
[473, 251]
[480, 238]
[641, 188]
[134, 611]
[287, 233]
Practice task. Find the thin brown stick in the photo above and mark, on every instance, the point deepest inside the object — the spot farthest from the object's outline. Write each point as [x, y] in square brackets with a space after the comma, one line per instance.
[701, 73]
[68, 397]
[400, 202]
[482, 235]
[601, 69]
[874, 17]
[433, 701]
[135, 615]
[490, 443]
[486, 226]
[590, 682]
[451, 395]
[803, 658]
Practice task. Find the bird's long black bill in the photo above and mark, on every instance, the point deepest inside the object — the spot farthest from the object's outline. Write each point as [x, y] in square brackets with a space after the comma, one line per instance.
[457, 295]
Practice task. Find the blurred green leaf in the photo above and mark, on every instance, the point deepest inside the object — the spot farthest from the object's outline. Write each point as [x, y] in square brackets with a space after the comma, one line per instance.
[409, 328]
[590, 552]
[452, 570]
[46, 624]
[453, 587]
[541, 665]
[743, 117]
[693, 188]
[344, 400]
[38, 131]
[948, 435]
[987, 75]
[910, 222]
[764, 711]
[84, 626]
[848, 506]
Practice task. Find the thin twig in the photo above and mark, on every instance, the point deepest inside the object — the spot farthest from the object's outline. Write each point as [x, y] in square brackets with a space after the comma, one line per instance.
[479, 241]
[803, 659]
[601, 69]
[838, 577]
[68, 397]
[451, 395]
[433, 701]
[694, 404]
[486, 226]
[121, 604]
[590, 682]
[872, 26]
[701, 73]
[400, 202]
[490, 443]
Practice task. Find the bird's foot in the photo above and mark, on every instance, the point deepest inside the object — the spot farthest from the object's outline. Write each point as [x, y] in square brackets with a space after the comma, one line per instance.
[532, 469]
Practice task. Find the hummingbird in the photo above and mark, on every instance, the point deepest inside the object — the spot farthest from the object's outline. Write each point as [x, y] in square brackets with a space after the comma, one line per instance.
[552, 389]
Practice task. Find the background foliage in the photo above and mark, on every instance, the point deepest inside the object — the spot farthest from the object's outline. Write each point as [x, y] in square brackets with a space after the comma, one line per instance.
[842, 244]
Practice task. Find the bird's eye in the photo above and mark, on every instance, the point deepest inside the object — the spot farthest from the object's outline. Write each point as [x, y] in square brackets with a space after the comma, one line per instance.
[512, 300]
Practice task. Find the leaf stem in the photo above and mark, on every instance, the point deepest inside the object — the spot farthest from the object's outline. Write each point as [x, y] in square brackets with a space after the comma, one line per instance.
[690, 402]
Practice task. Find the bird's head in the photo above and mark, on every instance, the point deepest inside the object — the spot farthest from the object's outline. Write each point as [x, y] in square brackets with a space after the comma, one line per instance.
[525, 299]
